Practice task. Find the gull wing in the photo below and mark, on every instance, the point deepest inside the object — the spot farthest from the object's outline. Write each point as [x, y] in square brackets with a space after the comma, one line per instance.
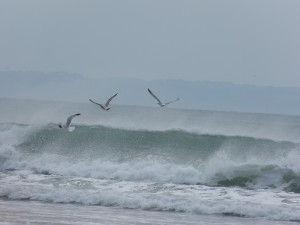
[108, 101]
[154, 96]
[97, 104]
[167, 103]
[70, 119]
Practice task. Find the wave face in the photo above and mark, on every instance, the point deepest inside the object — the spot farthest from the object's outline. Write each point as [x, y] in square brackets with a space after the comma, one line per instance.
[160, 156]
[167, 162]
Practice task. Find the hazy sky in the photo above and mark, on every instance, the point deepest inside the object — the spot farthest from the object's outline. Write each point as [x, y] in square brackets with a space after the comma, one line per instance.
[242, 41]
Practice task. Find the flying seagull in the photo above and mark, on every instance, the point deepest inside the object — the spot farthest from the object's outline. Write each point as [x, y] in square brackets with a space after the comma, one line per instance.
[161, 104]
[104, 107]
[68, 123]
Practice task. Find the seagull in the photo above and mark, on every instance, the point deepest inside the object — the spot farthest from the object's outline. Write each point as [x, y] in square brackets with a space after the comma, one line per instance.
[104, 107]
[161, 104]
[68, 123]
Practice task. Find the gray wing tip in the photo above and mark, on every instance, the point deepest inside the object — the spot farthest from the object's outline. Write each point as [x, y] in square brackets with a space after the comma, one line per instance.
[93, 101]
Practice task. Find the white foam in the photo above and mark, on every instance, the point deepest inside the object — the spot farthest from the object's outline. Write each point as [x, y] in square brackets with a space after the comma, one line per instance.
[197, 199]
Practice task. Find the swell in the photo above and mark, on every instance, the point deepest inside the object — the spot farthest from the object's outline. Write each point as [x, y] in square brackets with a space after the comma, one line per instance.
[100, 140]
[172, 156]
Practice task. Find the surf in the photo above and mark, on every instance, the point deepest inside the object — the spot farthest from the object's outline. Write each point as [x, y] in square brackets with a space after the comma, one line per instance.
[173, 156]
[193, 162]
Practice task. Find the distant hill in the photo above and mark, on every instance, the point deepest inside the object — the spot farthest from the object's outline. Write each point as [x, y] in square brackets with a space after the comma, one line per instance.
[193, 94]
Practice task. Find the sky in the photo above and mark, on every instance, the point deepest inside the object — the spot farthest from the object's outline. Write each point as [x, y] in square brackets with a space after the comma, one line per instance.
[240, 41]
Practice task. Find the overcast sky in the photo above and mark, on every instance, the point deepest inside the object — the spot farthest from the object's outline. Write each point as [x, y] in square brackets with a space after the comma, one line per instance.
[241, 41]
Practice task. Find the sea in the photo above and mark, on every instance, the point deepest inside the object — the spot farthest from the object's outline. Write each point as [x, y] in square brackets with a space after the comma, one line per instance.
[146, 165]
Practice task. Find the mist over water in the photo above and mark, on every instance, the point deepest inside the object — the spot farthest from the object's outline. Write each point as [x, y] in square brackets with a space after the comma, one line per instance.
[274, 127]
[152, 158]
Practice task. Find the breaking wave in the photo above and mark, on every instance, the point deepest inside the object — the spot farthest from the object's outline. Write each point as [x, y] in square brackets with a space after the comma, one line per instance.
[172, 156]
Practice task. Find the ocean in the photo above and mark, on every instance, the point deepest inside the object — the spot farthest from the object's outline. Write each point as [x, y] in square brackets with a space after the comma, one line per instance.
[141, 165]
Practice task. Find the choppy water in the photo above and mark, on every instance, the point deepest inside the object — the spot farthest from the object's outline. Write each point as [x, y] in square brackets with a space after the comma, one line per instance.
[183, 161]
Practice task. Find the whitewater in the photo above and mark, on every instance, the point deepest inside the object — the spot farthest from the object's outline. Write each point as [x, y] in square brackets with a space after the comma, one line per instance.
[139, 165]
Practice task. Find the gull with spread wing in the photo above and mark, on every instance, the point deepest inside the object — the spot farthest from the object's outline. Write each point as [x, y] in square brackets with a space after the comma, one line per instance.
[68, 123]
[161, 104]
[104, 107]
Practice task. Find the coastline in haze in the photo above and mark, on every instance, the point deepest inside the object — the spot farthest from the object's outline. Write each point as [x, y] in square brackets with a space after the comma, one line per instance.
[205, 95]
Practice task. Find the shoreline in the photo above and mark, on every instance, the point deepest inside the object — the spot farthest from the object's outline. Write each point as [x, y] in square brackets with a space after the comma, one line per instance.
[35, 212]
